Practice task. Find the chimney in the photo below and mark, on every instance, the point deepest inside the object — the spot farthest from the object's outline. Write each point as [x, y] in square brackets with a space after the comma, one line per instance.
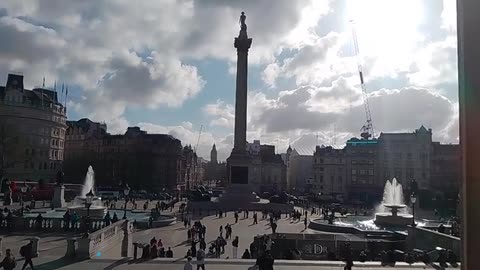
[15, 82]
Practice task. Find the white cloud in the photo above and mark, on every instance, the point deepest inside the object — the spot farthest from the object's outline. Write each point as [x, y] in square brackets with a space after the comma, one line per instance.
[132, 54]
[449, 16]
[435, 64]
[157, 80]
[224, 114]
[270, 74]
[338, 109]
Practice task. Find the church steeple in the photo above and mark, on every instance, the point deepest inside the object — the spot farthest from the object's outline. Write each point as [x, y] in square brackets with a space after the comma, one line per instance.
[213, 155]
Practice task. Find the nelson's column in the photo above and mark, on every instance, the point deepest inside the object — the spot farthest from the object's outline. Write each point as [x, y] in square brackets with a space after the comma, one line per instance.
[240, 189]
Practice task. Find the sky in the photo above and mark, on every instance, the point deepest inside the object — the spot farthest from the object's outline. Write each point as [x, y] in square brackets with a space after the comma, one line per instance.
[169, 66]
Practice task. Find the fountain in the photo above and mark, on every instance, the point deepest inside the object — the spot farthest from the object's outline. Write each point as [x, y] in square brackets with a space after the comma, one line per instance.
[392, 211]
[96, 209]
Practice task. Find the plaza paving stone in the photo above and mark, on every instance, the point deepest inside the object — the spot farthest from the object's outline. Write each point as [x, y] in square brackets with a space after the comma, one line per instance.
[175, 236]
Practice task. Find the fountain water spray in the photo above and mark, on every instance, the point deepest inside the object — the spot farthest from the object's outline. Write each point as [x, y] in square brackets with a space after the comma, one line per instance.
[393, 210]
[89, 182]
[392, 195]
[96, 209]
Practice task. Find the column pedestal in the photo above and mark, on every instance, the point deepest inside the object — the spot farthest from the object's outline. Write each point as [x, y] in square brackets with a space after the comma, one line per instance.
[59, 197]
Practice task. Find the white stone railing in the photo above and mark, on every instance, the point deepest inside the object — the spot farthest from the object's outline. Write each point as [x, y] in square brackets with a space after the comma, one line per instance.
[118, 234]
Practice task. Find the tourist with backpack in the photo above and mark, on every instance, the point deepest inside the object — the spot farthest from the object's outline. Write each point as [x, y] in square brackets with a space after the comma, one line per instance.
[26, 251]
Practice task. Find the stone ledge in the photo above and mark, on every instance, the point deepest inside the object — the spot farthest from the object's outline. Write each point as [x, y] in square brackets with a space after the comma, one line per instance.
[300, 263]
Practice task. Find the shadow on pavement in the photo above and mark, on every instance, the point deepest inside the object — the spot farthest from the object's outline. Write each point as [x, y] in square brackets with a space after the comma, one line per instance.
[117, 263]
[55, 264]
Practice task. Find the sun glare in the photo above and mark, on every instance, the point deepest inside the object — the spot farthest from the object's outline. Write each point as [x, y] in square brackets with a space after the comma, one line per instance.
[386, 30]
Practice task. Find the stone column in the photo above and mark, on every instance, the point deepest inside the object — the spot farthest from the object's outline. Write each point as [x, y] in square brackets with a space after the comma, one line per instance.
[242, 44]
[58, 200]
[71, 248]
[468, 34]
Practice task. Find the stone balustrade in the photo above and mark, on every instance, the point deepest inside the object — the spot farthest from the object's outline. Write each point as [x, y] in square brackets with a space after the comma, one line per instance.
[116, 238]
[49, 224]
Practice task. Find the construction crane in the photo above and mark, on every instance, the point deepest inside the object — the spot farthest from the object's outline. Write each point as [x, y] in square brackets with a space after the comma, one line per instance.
[367, 129]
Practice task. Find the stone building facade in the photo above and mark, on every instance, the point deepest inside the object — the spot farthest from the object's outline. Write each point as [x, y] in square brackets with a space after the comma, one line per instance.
[446, 170]
[406, 156]
[267, 169]
[363, 184]
[145, 161]
[32, 131]
[299, 171]
[329, 172]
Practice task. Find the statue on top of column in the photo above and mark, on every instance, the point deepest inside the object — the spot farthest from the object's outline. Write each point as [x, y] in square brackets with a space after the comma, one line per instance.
[243, 26]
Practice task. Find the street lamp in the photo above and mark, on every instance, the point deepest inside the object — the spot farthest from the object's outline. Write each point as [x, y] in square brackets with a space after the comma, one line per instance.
[126, 191]
[88, 202]
[413, 199]
[23, 189]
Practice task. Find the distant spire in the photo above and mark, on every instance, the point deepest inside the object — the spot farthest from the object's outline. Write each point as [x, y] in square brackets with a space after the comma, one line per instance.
[55, 85]
[43, 83]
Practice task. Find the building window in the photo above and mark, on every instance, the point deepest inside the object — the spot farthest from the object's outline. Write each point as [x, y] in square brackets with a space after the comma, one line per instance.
[321, 178]
[362, 172]
[370, 172]
[354, 179]
[354, 172]
[321, 187]
[44, 165]
[410, 173]
[409, 155]
[354, 161]
[340, 179]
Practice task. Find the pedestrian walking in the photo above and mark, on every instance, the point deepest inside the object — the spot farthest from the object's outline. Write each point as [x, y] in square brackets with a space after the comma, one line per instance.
[9, 261]
[188, 264]
[26, 251]
[235, 247]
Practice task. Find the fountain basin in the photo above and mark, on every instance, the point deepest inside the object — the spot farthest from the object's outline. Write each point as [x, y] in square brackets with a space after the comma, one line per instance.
[95, 211]
[390, 219]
